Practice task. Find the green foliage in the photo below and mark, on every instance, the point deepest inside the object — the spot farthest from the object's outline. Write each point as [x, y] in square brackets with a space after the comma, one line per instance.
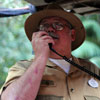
[96, 60]
[93, 29]
[90, 49]
[14, 44]
[87, 50]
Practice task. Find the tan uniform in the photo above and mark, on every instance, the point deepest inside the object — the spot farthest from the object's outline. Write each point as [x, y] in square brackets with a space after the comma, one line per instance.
[57, 85]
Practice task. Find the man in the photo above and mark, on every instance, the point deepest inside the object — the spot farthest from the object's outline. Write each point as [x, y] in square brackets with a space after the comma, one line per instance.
[48, 76]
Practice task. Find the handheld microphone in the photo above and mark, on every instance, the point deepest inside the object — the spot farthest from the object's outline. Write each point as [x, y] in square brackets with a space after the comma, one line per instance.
[50, 45]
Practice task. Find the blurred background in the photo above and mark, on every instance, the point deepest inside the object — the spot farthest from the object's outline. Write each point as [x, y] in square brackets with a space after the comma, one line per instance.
[15, 46]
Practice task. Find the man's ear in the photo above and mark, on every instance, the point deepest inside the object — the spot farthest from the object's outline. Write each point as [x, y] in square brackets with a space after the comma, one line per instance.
[73, 34]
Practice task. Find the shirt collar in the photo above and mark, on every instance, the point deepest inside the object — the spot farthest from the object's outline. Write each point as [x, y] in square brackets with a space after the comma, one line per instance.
[72, 68]
[62, 64]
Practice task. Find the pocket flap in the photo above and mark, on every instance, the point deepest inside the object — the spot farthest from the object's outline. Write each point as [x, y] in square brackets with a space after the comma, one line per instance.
[48, 80]
[49, 97]
[91, 97]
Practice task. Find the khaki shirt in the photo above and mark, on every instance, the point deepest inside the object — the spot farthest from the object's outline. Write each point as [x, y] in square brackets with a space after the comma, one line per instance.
[57, 85]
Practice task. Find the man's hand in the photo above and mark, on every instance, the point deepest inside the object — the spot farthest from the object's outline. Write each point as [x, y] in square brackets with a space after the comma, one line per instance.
[40, 41]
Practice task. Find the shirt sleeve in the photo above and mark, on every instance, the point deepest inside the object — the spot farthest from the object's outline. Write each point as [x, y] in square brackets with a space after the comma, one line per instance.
[14, 73]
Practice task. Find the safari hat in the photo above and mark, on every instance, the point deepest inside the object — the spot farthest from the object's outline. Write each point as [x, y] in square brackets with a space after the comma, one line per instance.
[32, 22]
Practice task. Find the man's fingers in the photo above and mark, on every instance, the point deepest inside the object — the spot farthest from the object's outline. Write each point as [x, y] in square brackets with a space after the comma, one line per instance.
[39, 34]
[46, 37]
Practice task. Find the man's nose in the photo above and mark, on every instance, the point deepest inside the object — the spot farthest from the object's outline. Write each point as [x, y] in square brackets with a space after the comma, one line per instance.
[50, 29]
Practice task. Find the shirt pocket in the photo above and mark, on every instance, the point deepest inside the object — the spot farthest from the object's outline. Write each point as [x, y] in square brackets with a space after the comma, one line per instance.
[49, 97]
[91, 97]
[48, 80]
[49, 89]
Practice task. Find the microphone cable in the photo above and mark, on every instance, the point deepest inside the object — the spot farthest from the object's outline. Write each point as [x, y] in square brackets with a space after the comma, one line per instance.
[74, 64]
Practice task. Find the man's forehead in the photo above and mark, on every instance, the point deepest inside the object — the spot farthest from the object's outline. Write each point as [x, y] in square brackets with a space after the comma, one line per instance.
[52, 17]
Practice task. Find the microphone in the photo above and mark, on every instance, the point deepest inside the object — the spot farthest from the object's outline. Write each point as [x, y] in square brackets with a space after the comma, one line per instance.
[50, 46]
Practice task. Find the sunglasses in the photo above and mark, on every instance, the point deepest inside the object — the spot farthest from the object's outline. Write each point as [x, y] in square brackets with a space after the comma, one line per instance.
[56, 25]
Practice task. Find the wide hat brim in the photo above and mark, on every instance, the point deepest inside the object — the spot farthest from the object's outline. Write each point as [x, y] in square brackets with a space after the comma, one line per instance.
[31, 24]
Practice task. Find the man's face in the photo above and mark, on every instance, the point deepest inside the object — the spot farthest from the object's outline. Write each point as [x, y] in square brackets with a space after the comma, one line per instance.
[62, 29]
